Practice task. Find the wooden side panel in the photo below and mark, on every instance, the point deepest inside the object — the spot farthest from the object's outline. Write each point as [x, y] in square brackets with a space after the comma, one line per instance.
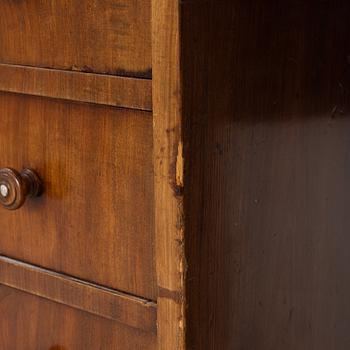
[31, 323]
[95, 220]
[266, 106]
[104, 36]
[168, 169]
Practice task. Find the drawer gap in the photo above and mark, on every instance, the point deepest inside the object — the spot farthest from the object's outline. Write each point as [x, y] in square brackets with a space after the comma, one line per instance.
[127, 309]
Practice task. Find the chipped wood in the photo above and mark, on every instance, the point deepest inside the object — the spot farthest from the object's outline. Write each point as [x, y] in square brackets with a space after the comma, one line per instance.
[168, 168]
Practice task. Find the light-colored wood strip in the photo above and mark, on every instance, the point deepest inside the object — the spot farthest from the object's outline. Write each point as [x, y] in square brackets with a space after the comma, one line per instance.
[129, 310]
[84, 87]
[168, 168]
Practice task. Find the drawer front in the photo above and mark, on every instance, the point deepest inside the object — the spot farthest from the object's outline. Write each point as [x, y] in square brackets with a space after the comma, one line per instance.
[32, 323]
[102, 36]
[95, 218]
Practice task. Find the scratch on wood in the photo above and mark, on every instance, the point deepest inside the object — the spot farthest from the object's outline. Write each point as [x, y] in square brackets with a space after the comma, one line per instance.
[178, 185]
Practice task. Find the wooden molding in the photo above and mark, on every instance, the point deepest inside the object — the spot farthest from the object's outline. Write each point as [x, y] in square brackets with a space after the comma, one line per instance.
[129, 310]
[76, 86]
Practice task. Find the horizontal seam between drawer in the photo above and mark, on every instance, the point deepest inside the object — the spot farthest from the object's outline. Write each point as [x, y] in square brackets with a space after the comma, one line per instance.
[115, 91]
[115, 305]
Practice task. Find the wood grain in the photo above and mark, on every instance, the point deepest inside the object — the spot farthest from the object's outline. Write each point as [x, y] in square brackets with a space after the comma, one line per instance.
[104, 36]
[246, 191]
[168, 174]
[32, 323]
[82, 87]
[267, 120]
[131, 311]
[95, 219]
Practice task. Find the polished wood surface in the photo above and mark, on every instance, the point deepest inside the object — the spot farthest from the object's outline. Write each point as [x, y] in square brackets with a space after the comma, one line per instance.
[102, 36]
[123, 308]
[75, 86]
[213, 206]
[168, 175]
[32, 323]
[95, 219]
[266, 109]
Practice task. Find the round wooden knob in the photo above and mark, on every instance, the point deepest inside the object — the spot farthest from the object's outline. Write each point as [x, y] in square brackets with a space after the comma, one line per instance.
[16, 187]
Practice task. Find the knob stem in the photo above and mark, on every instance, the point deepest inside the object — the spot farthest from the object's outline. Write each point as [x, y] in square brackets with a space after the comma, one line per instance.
[33, 182]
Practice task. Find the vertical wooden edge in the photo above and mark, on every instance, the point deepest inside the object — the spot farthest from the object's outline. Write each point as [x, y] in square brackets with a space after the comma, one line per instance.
[168, 169]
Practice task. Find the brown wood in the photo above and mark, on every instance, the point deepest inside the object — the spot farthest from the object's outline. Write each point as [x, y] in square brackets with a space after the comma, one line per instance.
[266, 120]
[95, 219]
[129, 310]
[16, 187]
[76, 86]
[224, 211]
[32, 323]
[106, 36]
[168, 175]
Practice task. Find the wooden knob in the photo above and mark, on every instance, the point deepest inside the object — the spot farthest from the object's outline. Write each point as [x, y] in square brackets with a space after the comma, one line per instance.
[16, 187]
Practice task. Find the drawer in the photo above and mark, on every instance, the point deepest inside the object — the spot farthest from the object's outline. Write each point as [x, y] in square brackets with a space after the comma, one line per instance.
[33, 323]
[102, 36]
[94, 220]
